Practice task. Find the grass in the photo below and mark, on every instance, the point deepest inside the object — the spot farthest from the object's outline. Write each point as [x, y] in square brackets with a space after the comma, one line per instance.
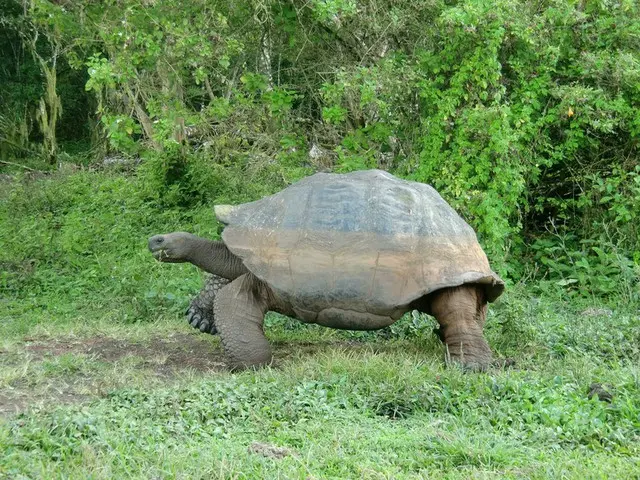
[100, 377]
[369, 408]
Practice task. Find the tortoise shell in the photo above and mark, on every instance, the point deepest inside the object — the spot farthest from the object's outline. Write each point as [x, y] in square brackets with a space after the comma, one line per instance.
[364, 241]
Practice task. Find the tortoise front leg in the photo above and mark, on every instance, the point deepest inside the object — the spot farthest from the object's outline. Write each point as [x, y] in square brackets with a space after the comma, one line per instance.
[239, 310]
[461, 312]
[200, 312]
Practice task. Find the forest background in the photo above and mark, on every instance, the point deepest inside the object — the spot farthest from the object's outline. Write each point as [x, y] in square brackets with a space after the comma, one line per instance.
[523, 115]
[120, 119]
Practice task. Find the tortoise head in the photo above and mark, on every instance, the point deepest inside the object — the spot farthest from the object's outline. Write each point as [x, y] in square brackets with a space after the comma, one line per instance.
[172, 247]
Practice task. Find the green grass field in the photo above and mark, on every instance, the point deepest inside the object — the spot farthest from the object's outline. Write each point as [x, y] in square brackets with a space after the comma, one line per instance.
[101, 377]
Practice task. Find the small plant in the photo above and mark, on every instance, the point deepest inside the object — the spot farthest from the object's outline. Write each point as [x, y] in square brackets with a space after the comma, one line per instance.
[588, 267]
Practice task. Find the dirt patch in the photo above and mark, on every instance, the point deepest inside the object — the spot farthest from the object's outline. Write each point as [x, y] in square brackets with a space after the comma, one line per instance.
[168, 354]
[159, 360]
[47, 381]
[20, 401]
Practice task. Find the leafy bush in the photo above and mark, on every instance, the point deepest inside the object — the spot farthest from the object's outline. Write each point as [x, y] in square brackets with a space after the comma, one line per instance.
[523, 115]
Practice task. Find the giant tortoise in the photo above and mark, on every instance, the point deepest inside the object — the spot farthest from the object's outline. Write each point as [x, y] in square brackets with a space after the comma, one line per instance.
[350, 251]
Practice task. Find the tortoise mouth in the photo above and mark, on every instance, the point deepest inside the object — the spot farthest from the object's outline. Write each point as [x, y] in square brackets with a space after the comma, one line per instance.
[160, 254]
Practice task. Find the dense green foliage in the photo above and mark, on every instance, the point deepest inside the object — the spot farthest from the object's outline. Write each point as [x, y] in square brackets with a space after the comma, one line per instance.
[525, 116]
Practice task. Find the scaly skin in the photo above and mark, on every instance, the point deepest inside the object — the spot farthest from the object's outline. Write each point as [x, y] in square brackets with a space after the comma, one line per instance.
[200, 313]
[239, 309]
[461, 313]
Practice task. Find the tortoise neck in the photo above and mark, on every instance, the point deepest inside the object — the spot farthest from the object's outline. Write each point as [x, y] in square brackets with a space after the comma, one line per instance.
[214, 257]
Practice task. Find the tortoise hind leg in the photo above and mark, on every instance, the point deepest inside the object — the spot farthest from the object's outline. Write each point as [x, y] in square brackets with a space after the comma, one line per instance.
[239, 310]
[461, 313]
[200, 312]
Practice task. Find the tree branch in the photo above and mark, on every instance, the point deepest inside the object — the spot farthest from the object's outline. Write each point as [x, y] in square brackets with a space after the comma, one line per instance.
[18, 165]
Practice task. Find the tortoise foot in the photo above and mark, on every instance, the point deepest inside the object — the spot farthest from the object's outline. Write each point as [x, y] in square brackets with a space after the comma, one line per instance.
[472, 356]
[201, 319]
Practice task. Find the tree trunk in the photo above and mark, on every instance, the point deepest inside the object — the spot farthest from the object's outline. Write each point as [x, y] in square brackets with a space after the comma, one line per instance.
[143, 118]
[262, 15]
[50, 106]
